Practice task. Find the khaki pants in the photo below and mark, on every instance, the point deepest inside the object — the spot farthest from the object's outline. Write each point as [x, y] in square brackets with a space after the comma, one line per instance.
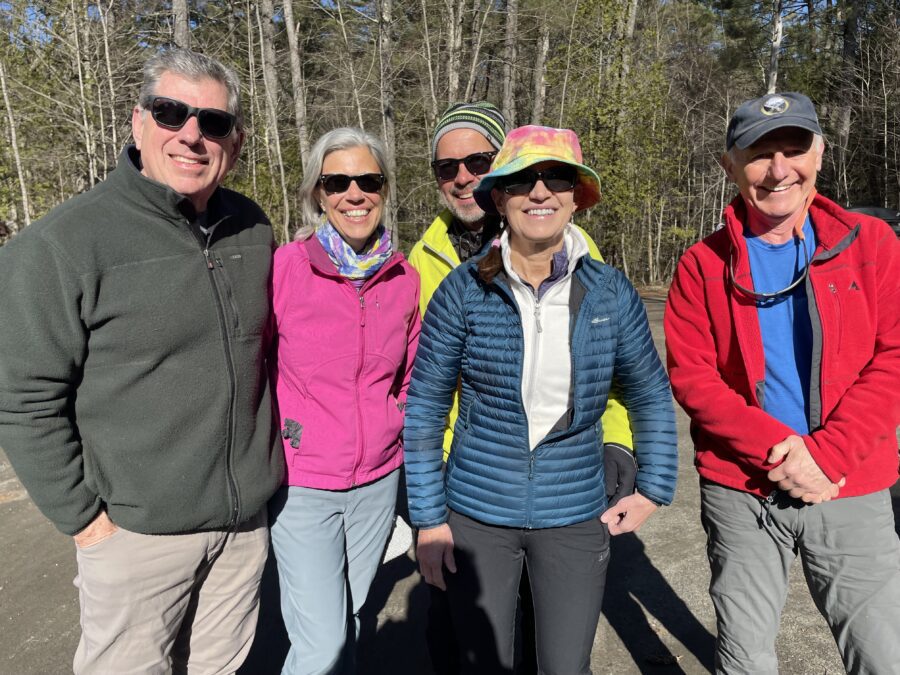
[166, 603]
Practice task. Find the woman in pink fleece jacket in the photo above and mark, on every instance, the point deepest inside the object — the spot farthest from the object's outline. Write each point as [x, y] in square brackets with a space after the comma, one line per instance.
[347, 326]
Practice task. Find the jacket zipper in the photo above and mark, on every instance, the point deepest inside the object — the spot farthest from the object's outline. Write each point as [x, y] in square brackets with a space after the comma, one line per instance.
[439, 255]
[229, 368]
[359, 366]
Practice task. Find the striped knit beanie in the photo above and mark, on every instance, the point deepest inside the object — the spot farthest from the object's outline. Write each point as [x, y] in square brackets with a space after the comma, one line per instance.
[481, 116]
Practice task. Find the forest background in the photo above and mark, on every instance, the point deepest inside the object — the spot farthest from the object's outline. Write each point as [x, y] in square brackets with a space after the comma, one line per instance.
[648, 85]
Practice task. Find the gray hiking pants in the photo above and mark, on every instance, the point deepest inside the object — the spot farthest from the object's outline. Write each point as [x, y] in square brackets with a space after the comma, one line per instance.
[851, 559]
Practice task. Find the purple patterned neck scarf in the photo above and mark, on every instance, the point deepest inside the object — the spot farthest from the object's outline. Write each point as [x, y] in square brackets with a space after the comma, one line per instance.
[348, 262]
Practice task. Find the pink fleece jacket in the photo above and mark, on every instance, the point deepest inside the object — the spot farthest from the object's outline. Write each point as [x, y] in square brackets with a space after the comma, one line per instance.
[342, 365]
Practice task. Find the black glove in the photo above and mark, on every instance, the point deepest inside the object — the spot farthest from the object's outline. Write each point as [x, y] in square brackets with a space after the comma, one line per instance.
[621, 470]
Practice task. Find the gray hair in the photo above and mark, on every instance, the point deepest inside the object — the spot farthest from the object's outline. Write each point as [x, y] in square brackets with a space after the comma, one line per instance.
[342, 138]
[192, 66]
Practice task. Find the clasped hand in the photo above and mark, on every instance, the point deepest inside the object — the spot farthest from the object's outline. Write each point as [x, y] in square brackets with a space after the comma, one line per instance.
[798, 474]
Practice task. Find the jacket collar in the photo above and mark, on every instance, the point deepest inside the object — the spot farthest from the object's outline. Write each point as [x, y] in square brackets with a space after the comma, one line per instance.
[832, 225]
[436, 239]
[319, 260]
[156, 198]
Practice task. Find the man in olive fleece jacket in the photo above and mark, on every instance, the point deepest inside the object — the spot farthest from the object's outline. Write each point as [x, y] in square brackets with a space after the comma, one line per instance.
[133, 396]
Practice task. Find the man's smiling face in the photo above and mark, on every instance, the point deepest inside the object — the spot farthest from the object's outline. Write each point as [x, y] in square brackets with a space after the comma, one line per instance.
[457, 193]
[184, 159]
[777, 173]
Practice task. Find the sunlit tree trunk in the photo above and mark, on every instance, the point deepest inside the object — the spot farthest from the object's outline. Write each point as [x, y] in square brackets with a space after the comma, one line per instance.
[509, 62]
[540, 72]
[351, 69]
[14, 146]
[476, 50]
[297, 82]
[775, 46]
[86, 130]
[270, 83]
[182, 24]
[432, 87]
[385, 56]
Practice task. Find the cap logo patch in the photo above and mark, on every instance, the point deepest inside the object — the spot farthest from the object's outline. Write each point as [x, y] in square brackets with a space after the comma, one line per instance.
[774, 105]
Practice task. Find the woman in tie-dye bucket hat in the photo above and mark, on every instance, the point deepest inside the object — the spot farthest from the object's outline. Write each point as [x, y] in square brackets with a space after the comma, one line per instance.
[534, 332]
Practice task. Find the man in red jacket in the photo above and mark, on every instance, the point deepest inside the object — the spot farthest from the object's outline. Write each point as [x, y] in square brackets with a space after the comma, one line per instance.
[783, 338]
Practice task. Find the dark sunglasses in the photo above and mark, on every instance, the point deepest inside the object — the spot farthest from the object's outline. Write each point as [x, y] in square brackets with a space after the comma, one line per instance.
[173, 114]
[340, 182]
[477, 164]
[556, 179]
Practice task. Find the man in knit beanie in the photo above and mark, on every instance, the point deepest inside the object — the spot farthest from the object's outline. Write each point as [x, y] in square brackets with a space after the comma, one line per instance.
[466, 139]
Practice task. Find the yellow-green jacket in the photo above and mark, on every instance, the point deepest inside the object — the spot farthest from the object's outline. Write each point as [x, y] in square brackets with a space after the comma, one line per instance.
[434, 257]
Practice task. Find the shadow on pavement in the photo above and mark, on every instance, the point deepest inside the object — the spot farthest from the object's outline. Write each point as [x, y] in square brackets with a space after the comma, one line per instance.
[271, 644]
[634, 585]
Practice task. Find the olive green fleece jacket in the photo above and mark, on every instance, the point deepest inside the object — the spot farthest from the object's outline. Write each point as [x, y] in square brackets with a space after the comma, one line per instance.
[132, 359]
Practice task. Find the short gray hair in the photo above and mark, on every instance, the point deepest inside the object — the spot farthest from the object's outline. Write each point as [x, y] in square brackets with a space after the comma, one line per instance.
[342, 138]
[192, 66]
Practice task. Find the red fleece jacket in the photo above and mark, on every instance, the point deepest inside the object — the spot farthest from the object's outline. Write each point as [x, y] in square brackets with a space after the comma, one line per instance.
[717, 365]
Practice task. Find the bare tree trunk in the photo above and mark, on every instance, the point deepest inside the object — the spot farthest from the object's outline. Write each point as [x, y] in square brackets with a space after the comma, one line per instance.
[251, 90]
[110, 82]
[182, 24]
[270, 82]
[479, 39]
[432, 89]
[628, 36]
[845, 97]
[775, 46]
[562, 98]
[540, 73]
[385, 55]
[14, 143]
[350, 68]
[297, 82]
[89, 144]
[455, 12]
[509, 62]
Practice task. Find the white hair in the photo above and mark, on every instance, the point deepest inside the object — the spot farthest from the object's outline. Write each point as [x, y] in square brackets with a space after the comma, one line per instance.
[818, 144]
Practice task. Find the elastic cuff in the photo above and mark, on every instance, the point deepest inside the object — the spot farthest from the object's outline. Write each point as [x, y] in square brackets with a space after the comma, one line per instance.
[651, 498]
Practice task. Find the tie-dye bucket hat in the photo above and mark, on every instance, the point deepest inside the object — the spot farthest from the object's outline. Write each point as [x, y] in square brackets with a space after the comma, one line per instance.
[530, 145]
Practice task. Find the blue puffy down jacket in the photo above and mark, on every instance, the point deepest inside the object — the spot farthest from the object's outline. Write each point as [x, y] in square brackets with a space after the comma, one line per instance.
[472, 331]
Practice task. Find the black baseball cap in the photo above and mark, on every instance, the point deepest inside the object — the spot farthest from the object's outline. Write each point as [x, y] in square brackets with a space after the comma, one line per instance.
[757, 117]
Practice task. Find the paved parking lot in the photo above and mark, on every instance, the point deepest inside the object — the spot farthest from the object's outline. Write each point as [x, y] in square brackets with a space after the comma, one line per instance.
[657, 616]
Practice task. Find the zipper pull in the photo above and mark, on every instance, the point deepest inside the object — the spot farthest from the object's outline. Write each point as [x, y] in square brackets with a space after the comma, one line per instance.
[209, 262]
[537, 317]
[362, 310]
[531, 466]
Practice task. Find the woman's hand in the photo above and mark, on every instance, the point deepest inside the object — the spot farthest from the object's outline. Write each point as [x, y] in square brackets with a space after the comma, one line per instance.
[434, 549]
[628, 514]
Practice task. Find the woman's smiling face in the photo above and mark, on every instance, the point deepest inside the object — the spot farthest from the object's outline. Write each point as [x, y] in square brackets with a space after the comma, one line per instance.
[353, 213]
[539, 217]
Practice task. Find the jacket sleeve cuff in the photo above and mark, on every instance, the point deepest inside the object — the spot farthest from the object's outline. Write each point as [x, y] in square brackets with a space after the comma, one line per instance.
[833, 470]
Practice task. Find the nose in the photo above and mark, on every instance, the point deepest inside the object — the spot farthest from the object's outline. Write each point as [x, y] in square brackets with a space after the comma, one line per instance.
[190, 132]
[779, 166]
[464, 176]
[539, 192]
[354, 193]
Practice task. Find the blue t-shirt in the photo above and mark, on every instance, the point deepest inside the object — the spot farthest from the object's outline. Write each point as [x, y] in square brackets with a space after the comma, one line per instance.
[785, 326]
